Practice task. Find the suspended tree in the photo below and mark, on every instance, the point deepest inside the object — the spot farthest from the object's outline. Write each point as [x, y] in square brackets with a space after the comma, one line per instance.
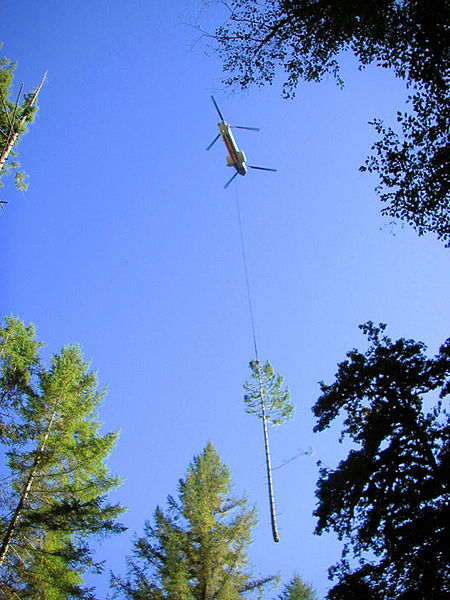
[389, 498]
[266, 398]
[308, 39]
[15, 115]
[197, 548]
[54, 497]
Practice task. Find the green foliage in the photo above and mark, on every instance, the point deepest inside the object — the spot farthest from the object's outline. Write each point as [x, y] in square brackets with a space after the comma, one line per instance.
[197, 549]
[54, 498]
[277, 405]
[14, 117]
[307, 39]
[296, 589]
[19, 363]
[389, 498]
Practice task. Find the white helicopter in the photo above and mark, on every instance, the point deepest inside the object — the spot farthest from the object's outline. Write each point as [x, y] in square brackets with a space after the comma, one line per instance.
[235, 158]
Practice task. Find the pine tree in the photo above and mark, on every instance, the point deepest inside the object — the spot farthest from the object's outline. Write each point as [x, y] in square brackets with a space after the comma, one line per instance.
[297, 589]
[266, 398]
[55, 497]
[197, 549]
[14, 117]
[19, 362]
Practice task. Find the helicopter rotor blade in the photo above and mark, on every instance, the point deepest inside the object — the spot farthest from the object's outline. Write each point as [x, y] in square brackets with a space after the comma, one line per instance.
[217, 108]
[228, 183]
[262, 168]
[249, 128]
[213, 142]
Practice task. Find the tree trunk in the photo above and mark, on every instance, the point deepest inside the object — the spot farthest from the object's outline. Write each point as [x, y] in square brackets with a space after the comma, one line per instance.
[15, 518]
[13, 139]
[269, 468]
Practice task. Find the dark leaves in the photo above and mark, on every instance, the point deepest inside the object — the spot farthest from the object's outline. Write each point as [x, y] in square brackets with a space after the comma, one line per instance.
[307, 39]
[389, 500]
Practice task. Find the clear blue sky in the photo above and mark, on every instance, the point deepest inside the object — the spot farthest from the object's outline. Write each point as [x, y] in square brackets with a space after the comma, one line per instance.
[127, 243]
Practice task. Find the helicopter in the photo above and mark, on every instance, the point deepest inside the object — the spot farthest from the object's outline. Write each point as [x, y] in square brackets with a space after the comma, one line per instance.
[236, 158]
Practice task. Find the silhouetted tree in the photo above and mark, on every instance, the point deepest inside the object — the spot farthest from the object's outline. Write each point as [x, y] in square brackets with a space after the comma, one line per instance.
[390, 498]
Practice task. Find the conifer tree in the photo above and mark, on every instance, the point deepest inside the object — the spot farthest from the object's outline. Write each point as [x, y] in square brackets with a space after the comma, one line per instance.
[55, 494]
[266, 398]
[297, 589]
[14, 117]
[197, 549]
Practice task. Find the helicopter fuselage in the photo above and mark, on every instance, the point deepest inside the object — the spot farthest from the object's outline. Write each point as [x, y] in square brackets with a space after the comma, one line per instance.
[236, 158]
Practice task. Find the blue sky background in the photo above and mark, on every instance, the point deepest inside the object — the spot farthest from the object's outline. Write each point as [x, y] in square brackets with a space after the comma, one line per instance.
[127, 243]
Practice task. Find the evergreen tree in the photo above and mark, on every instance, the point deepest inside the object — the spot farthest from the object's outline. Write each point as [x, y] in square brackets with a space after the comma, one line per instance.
[19, 363]
[296, 589]
[266, 398]
[308, 39]
[14, 117]
[197, 549]
[389, 499]
[55, 494]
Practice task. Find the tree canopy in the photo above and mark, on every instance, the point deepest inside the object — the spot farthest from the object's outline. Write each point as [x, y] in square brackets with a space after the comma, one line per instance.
[197, 548]
[15, 115]
[55, 495]
[277, 405]
[307, 39]
[389, 499]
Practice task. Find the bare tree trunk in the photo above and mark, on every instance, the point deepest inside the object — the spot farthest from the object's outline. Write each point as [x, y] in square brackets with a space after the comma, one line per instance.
[13, 139]
[15, 518]
[275, 535]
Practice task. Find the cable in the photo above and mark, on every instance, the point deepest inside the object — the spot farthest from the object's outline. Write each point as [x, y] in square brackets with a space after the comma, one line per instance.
[261, 393]
[247, 283]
